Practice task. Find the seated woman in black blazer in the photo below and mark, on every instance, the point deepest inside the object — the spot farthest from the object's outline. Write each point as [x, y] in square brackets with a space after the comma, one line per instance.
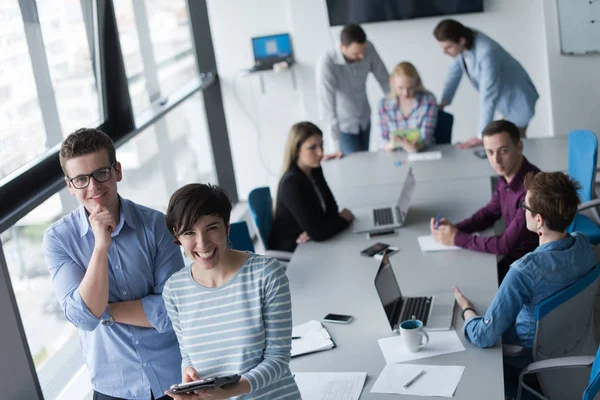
[305, 208]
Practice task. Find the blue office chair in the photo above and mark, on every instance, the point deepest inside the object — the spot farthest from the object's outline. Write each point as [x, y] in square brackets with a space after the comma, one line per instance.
[239, 236]
[583, 153]
[564, 327]
[261, 209]
[443, 128]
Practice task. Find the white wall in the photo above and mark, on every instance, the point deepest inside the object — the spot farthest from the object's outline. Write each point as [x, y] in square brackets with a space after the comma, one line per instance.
[515, 24]
[574, 83]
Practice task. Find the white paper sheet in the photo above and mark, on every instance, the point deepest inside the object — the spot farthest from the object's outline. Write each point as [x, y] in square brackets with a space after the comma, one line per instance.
[436, 381]
[425, 156]
[428, 243]
[330, 385]
[440, 342]
[313, 337]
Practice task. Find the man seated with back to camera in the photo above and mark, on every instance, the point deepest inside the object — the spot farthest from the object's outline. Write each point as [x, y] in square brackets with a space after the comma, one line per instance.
[504, 149]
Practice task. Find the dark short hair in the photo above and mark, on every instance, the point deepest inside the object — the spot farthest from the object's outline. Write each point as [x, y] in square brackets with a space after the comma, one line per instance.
[194, 201]
[86, 141]
[553, 195]
[451, 30]
[501, 126]
[352, 33]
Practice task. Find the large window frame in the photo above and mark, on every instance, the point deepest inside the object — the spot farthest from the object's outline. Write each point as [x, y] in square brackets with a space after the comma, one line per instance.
[28, 187]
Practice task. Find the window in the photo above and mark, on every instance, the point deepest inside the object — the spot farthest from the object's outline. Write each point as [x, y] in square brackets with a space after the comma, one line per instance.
[132, 56]
[70, 63]
[171, 43]
[52, 340]
[22, 131]
[174, 151]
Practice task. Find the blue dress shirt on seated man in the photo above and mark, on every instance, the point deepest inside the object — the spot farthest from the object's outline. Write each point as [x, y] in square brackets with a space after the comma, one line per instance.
[538, 275]
[109, 260]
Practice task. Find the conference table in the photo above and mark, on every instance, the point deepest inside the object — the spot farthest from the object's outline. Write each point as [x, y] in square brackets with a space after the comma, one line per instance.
[332, 277]
[380, 168]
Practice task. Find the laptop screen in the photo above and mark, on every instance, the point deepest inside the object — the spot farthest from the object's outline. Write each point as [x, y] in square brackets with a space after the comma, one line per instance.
[272, 47]
[388, 291]
[407, 191]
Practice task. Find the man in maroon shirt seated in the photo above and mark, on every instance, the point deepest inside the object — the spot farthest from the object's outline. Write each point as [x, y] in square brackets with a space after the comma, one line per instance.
[504, 150]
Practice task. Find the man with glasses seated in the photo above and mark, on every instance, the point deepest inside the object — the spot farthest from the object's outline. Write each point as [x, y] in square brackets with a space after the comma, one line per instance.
[109, 260]
[504, 149]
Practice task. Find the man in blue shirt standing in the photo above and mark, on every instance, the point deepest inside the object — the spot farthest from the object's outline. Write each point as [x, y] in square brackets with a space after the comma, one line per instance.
[502, 82]
[109, 260]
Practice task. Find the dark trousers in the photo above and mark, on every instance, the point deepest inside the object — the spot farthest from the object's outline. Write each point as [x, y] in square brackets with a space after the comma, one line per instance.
[351, 143]
[100, 396]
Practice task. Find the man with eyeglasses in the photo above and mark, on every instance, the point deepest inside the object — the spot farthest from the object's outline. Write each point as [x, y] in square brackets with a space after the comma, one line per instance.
[504, 149]
[109, 260]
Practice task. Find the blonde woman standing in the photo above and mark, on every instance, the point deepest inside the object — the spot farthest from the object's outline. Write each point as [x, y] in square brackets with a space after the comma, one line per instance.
[305, 207]
[408, 114]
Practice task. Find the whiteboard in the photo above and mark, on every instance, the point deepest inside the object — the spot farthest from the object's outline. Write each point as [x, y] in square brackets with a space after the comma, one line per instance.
[579, 26]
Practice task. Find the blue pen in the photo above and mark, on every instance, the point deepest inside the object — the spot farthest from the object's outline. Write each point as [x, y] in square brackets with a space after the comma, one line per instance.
[437, 221]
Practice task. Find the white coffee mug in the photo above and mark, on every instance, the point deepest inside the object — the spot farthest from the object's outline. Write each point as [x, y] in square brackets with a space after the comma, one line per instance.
[412, 335]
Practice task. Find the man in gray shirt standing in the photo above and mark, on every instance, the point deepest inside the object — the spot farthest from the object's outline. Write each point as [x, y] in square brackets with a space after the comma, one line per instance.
[341, 88]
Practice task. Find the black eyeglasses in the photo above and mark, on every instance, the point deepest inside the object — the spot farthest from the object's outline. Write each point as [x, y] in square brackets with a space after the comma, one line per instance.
[526, 207]
[100, 175]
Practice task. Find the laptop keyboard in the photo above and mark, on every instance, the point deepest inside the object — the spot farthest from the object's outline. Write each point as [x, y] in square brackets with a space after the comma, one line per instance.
[417, 306]
[383, 216]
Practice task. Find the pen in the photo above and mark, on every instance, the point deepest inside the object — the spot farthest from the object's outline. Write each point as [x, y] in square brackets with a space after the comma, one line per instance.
[296, 337]
[437, 221]
[407, 384]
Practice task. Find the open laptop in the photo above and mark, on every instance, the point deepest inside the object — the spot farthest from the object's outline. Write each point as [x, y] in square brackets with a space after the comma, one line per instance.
[384, 218]
[434, 311]
[270, 50]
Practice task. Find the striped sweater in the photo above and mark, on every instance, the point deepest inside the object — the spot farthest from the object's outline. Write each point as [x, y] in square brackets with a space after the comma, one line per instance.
[242, 327]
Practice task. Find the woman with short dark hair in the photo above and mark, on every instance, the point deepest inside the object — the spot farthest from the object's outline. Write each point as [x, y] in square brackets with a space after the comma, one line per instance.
[231, 310]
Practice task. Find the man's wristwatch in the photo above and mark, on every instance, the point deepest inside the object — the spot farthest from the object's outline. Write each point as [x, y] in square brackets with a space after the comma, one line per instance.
[108, 321]
[463, 311]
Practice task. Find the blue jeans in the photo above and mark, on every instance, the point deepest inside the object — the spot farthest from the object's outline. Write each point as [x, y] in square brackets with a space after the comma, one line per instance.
[351, 142]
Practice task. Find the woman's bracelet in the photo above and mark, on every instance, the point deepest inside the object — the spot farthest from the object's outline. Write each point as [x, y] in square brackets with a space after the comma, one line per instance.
[465, 310]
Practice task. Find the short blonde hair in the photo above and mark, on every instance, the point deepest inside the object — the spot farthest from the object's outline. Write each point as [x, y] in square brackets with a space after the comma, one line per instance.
[406, 69]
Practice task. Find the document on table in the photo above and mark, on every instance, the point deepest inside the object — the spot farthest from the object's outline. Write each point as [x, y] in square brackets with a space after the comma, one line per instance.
[437, 380]
[425, 156]
[312, 337]
[440, 342]
[428, 243]
[330, 385]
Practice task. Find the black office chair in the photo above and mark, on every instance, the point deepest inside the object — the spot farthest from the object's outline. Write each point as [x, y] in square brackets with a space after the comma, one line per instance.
[443, 128]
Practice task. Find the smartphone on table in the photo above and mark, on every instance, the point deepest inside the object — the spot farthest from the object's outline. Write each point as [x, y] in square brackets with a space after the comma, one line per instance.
[374, 249]
[338, 318]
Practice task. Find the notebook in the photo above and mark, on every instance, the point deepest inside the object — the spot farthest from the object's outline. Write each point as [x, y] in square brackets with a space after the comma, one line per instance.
[312, 336]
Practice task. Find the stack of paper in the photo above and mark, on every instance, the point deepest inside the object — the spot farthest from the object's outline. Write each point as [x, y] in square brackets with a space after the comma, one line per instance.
[312, 337]
[436, 380]
[425, 156]
[440, 342]
[330, 385]
[428, 243]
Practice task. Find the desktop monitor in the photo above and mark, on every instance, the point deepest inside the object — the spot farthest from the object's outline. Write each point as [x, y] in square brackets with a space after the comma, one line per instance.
[272, 49]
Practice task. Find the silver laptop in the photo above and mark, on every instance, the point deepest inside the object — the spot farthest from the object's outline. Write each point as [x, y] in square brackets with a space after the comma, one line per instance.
[434, 311]
[387, 217]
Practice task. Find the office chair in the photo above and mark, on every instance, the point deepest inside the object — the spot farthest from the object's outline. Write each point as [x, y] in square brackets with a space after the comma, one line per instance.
[261, 209]
[564, 327]
[557, 364]
[443, 128]
[239, 236]
[583, 153]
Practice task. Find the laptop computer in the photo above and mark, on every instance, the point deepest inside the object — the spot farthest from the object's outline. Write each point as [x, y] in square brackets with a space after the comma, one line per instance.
[387, 217]
[434, 311]
[270, 50]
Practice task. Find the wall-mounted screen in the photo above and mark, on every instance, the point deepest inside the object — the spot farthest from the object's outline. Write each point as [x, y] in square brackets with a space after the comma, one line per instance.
[343, 12]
